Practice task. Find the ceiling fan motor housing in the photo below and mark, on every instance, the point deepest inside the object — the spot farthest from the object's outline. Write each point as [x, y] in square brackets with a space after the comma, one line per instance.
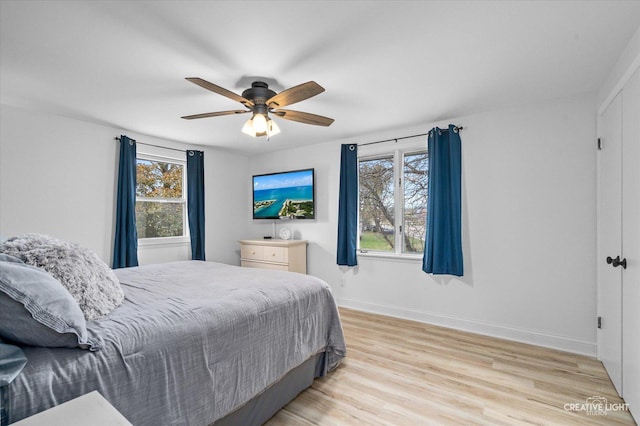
[258, 93]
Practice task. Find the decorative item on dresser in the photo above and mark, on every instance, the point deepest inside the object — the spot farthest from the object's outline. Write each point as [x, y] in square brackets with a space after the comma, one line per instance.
[283, 255]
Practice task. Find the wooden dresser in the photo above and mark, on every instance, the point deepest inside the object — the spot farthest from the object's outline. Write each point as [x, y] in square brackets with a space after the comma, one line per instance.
[283, 255]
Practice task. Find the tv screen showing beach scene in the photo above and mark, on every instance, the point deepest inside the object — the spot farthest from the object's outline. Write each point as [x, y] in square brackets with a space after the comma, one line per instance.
[284, 195]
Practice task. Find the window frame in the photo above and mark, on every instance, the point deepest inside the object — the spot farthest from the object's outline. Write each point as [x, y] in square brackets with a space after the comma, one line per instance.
[398, 153]
[176, 240]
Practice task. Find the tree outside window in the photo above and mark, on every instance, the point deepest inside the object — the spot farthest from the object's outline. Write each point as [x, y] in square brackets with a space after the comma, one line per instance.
[393, 202]
[377, 220]
[160, 199]
[415, 167]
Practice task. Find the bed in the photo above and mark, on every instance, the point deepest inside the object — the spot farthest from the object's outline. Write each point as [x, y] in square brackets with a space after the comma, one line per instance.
[194, 343]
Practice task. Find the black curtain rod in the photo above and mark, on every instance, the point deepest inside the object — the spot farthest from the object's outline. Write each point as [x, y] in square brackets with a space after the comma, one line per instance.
[456, 128]
[157, 146]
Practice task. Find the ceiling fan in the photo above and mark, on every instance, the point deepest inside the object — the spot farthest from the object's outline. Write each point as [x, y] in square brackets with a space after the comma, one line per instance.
[260, 100]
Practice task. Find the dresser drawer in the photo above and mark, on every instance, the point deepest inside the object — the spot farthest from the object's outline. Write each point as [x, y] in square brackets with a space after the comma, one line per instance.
[275, 254]
[252, 252]
[263, 265]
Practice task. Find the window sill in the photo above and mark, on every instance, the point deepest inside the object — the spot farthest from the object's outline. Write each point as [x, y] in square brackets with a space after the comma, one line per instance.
[390, 256]
[163, 241]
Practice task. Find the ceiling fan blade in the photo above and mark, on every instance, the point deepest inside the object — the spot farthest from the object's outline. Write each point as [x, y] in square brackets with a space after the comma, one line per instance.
[215, 114]
[295, 94]
[303, 117]
[220, 90]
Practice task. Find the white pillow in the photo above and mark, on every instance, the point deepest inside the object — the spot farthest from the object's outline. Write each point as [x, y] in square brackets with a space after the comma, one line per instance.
[90, 281]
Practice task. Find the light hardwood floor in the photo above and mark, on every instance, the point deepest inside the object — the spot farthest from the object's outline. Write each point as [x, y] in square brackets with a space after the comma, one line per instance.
[400, 372]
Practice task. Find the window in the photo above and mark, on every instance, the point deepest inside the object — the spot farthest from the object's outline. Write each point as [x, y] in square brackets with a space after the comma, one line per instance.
[161, 204]
[393, 202]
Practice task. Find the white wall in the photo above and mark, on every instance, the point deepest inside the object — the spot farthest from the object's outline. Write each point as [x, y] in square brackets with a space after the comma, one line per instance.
[58, 177]
[620, 73]
[528, 223]
[529, 215]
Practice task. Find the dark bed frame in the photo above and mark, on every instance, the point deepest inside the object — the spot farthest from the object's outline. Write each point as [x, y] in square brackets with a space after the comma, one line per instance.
[265, 405]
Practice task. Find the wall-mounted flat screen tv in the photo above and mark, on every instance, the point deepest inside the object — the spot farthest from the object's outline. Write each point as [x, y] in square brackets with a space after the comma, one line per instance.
[284, 195]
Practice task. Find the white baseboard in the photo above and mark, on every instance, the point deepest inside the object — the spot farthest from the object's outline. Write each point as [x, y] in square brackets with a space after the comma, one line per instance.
[519, 335]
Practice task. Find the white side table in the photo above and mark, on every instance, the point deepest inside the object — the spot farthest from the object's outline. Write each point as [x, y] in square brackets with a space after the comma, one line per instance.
[76, 412]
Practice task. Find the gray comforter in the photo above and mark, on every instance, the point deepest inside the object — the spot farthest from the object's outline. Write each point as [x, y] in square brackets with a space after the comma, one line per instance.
[192, 342]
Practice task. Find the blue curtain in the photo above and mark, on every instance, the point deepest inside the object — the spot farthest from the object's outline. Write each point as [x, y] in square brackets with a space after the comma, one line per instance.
[443, 242]
[195, 202]
[125, 246]
[348, 206]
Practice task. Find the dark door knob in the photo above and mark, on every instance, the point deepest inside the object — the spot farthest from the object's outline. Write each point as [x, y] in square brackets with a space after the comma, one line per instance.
[617, 262]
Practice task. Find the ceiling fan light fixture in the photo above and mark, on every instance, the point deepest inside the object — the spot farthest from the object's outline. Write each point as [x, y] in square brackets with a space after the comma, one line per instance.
[247, 129]
[260, 125]
[272, 127]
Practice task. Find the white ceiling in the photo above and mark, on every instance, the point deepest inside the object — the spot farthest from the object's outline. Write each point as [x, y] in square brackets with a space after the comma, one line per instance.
[384, 64]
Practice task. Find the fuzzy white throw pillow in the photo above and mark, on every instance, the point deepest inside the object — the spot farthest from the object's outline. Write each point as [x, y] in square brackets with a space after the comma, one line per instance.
[89, 280]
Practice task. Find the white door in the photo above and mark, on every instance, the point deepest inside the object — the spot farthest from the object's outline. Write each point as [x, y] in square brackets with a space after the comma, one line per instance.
[631, 245]
[609, 241]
